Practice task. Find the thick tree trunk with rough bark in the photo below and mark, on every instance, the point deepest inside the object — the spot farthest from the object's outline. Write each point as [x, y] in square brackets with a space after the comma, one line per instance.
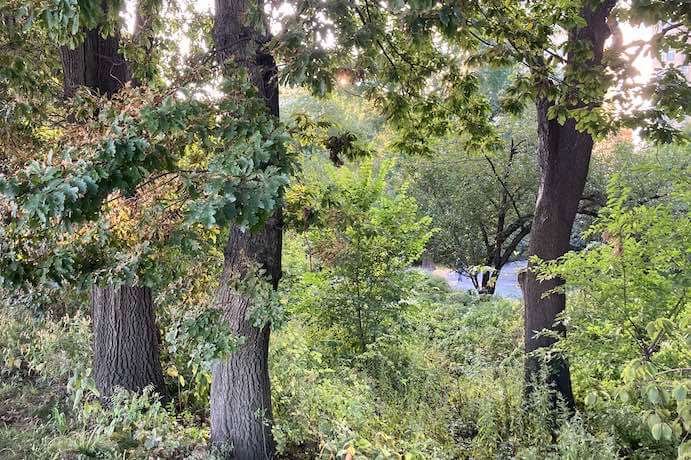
[126, 342]
[126, 345]
[95, 63]
[564, 157]
[240, 390]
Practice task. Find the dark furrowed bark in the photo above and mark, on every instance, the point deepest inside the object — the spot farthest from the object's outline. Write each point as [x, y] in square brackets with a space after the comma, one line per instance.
[240, 389]
[126, 343]
[95, 64]
[564, 157]
[562, 181]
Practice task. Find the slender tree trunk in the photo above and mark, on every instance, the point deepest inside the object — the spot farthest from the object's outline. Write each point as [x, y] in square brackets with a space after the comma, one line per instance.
[564, 156]
[362, 340]
[567, 155]
[240, 390]
[125, 342]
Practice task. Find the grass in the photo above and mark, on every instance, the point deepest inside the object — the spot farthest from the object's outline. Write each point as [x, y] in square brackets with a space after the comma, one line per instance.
[27, 423]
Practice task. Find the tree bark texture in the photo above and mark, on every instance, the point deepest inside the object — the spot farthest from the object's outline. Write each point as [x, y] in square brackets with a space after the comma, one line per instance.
[240, 390]
[125, 342]
[244, 45]
[564, 157]
[94, 63]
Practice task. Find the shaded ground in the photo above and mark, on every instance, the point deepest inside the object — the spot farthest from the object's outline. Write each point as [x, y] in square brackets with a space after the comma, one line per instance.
[507, 285]
[25, 408]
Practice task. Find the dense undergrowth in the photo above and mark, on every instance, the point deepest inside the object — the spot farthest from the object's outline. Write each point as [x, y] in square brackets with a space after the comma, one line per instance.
[404, 368]
[449, 387]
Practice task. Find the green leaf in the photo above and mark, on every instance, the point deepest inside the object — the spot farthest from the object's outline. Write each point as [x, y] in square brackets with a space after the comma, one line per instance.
[679, 392]
[653, 419]
[684, 451]
[653, 394]
[656, 430]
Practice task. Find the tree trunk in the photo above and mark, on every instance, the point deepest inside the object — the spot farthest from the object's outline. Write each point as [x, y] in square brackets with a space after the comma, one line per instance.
[564, 156]
[126, 344]
[240, 390]
[95, 63]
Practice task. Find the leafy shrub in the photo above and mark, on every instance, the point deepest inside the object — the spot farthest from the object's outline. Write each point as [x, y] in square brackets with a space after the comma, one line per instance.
[629, 330]
[311, 401]
[47, 416]
[45, 348]
[389, 400]
[363, 244]
[133, 425]
[193, 342]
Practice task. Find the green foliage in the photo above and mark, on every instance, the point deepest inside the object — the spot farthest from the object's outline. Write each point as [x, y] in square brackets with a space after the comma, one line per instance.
[364, 244]
[635, 279]
[372, 359]
[389, 401]
[374, 49]
[342, 109]
[310, 400]
[482, 204]
[50, 402]
[194, 343]
[43, 348]
[60, 19]
[341, 144]
[225, 156]
[193, 334]
[133, 424]
[629, 329]
[421, 63]
[448, 385]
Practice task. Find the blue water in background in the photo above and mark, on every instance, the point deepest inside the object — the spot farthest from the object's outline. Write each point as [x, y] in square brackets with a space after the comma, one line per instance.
[507, 284]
